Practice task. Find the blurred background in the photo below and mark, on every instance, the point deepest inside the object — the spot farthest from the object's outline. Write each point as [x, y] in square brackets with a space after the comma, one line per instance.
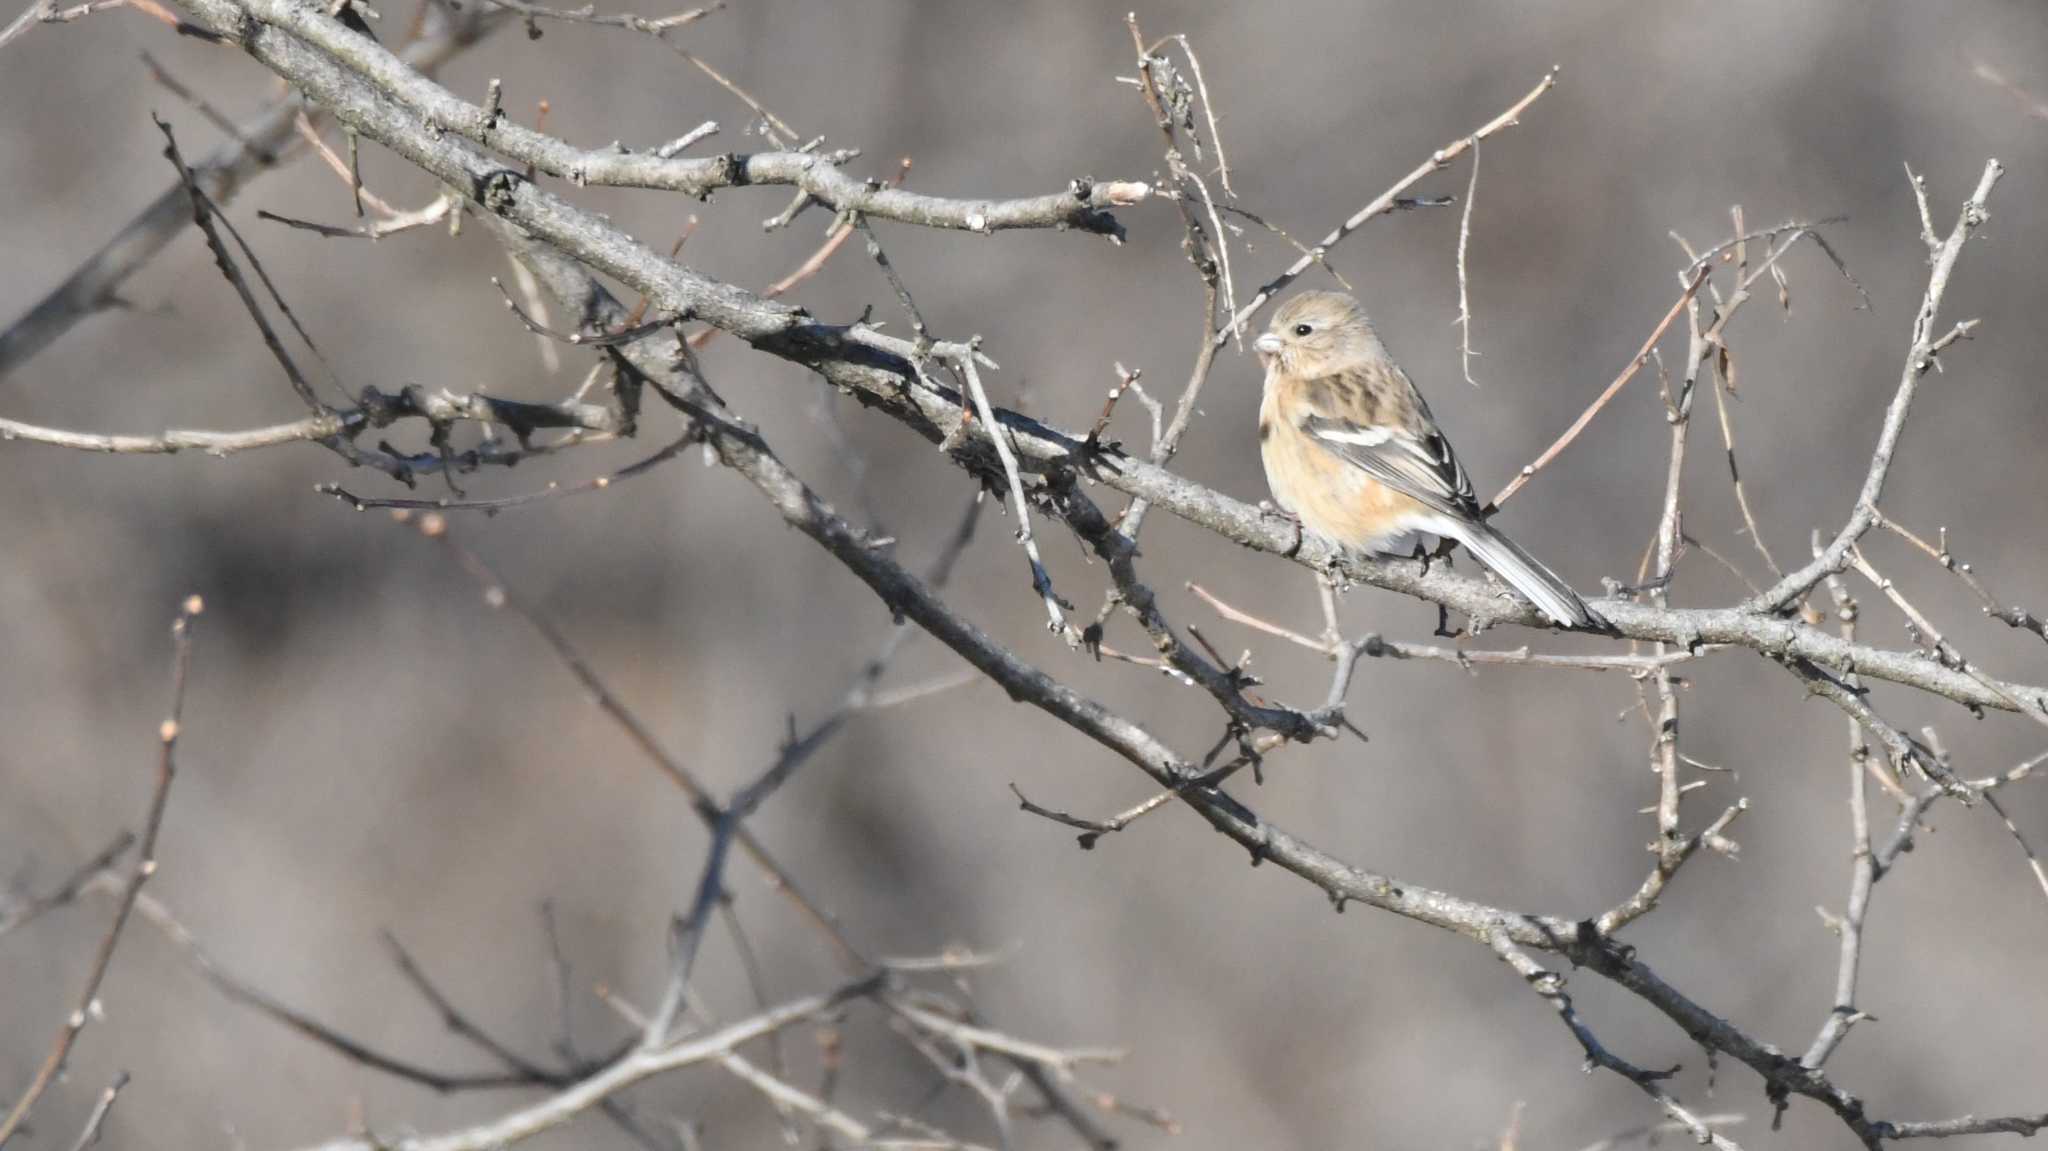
[368, 746]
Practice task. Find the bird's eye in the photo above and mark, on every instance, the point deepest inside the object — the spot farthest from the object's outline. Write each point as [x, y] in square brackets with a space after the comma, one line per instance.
[1302, 329]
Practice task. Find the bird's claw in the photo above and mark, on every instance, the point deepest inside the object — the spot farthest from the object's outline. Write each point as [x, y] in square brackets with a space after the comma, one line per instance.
[1282, 514]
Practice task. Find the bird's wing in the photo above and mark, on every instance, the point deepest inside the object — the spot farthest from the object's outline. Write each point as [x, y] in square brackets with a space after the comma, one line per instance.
[1408, 454]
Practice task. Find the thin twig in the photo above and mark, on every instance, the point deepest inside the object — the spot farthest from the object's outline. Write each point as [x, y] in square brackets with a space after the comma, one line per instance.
[203, 215]
[22, 914]
[630, 1069]
[1550, 986]
[390, 225]
[308, 132]
[1650, 1134]
[2012, 616]
[588, 14]
[96, 282]
[1209, 111]
[1464, 320]
[1867, 866]
[1944, 651]
[240, 991]
[1208, 249]
[1056, 620]
[499, 594]
[835, 238]
[1920, 358]
[2018, 837]
[1724, 386]
[1628, 373]
[213, 115]
[90, 1136]
[1312, 254]
[88, 1004]
[461, 1025]
[1386, 202]
[553, 491]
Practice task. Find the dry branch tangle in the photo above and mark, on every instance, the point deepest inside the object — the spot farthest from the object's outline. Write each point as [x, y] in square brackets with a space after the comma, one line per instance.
[878, 370]
[265, 142]
[387, 102]
[1580, 941]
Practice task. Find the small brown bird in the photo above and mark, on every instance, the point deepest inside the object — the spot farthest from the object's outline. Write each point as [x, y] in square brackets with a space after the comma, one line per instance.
[1352, 451]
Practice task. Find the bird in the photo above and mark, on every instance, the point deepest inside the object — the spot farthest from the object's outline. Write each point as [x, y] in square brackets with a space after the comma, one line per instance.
[1353, 453]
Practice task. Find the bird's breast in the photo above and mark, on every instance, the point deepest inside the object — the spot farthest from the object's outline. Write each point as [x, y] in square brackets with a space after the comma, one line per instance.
[1333, 497]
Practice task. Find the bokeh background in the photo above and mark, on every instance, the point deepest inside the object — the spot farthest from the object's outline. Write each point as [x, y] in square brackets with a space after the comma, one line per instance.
[368, 746]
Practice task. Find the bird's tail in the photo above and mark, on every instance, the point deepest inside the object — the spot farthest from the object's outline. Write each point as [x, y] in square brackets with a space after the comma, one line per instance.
[1526, 574]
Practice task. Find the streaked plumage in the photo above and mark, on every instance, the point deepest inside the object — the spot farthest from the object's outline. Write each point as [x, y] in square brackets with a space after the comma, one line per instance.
[1351, 448]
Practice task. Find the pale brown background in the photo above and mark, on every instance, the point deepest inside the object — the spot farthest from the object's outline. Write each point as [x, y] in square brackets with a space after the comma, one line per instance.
[368, 746]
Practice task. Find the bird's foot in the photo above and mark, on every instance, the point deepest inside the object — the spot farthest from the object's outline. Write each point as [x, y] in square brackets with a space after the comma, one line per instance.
[1289, 518]
[1430, 557]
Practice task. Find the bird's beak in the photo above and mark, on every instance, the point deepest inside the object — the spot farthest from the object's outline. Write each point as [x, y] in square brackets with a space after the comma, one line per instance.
[1268, 344]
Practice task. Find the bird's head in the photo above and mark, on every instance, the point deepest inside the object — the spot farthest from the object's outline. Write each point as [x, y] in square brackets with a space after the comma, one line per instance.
[1317, 334]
